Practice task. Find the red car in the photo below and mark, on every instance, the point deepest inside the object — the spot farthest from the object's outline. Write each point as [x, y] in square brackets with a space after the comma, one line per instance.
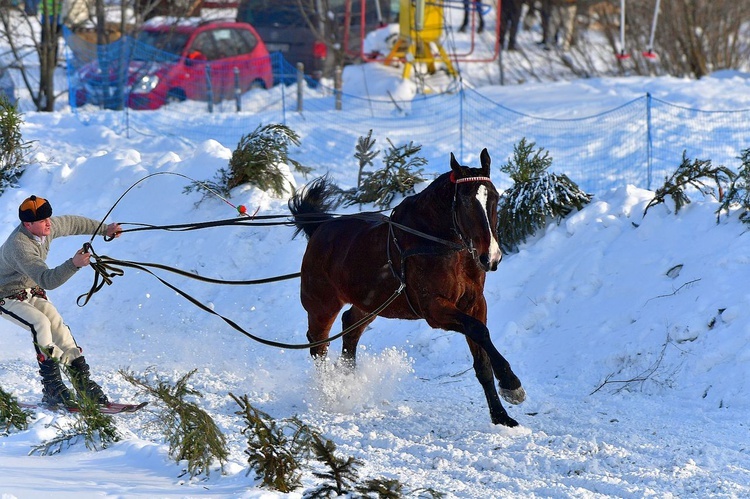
[188, 59]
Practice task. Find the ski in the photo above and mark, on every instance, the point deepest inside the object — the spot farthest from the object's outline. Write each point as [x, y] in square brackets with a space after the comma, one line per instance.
[111, 408]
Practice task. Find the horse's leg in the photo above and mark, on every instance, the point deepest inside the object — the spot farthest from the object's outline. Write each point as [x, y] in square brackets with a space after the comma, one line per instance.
[483, 371]
[321, 314]
[445, 315]
[510, 386]
[351, 339]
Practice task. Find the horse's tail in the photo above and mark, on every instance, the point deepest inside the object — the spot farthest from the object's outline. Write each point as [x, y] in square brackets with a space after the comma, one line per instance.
[312, 205]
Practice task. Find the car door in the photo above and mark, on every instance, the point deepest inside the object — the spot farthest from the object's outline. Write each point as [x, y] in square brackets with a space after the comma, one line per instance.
[253, 60]
[202, 61]
[231, 55]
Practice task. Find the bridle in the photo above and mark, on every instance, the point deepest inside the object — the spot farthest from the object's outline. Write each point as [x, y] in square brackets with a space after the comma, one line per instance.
[445, 245]
[455, 181]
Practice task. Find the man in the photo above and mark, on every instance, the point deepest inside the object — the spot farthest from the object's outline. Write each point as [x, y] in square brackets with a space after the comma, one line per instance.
[558, 16]
[24, 277]
[468, 5]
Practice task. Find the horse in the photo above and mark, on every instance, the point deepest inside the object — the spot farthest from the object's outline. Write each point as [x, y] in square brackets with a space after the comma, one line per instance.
[428, 260]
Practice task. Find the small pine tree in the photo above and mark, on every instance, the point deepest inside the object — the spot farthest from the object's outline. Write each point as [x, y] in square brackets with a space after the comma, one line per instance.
[527, 163]
[536, 196]
[695, 174]
[402, 171]
[191, 433]
[739, 190]
[13, 149]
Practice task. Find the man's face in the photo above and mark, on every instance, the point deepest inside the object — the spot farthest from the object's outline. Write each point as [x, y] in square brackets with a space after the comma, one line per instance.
[40, 228]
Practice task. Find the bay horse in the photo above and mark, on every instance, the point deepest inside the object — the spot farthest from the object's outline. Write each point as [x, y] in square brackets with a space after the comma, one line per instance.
[430, 257]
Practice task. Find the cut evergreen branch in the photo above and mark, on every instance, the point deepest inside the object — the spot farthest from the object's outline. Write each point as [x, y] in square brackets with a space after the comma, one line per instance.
[365, 154]
[13, 149]
[739, 190]
[97, 430]
[191, 433]
[401, 172]
[383, 488]
[66, 437]
[340, 475]
[258, 155]
[536, 197]
[256, 161]
[11, 414]
[699, 174]
[275, 450]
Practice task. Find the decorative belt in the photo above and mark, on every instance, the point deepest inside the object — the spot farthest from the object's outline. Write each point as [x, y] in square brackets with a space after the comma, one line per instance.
[24, 294]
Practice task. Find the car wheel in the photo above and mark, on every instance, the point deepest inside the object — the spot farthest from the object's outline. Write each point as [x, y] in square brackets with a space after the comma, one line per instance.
[257, 85]
[176, 95]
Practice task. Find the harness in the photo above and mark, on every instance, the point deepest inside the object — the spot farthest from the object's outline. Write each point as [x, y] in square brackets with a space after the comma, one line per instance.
[445, 247]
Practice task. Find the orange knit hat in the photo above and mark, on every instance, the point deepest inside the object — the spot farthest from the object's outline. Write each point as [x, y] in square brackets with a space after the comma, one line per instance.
[34, 209]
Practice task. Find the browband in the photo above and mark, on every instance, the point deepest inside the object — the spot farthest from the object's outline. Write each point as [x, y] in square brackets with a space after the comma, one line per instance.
[468, 179]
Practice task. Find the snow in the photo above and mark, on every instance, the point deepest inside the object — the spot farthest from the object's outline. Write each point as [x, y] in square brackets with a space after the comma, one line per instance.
[636, 370]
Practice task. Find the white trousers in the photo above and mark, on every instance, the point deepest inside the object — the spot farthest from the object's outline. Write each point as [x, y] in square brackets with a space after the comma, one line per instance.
[51, 336]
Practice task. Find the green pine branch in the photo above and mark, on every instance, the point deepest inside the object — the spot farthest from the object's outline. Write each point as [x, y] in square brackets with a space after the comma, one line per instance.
[11, 414]
[699, 174]
[191, 432]
[739, 190]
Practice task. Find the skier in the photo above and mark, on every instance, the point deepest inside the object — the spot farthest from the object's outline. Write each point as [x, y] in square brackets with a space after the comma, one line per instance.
[24, 279]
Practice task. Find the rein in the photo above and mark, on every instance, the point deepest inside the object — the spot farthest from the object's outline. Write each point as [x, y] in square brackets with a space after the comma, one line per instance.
[105, 269]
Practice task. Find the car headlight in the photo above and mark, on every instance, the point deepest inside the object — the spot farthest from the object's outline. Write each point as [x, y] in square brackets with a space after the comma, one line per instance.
[145, 85]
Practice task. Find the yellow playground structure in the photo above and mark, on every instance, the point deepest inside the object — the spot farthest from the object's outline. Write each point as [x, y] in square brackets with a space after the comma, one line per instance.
[420, 30]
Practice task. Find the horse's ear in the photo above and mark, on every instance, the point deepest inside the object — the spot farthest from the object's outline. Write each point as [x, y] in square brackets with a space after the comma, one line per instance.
[455, 166]
[485, 160]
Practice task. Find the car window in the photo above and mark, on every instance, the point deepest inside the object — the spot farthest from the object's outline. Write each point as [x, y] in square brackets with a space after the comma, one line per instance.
[224, 44]
[159, 46]
[204, 44]
[245, 40]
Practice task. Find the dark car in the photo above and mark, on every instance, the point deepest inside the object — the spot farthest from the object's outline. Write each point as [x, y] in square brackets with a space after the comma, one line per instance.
[190, 59]
[299, 31]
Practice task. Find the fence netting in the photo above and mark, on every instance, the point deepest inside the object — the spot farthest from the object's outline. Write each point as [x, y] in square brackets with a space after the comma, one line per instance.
[639, 143]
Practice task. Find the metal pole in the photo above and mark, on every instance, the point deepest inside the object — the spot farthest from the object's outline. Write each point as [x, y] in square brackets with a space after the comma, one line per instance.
[337, 87]
[300, 83]
[209, 89]
[237, 91]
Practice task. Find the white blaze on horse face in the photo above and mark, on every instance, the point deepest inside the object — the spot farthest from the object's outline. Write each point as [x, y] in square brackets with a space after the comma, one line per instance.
[494, 250]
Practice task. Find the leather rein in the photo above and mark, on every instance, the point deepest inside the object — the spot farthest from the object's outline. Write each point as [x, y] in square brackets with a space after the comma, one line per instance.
[106, 268]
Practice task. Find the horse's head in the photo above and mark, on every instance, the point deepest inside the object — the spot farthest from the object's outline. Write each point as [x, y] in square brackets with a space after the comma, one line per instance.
[475, 211]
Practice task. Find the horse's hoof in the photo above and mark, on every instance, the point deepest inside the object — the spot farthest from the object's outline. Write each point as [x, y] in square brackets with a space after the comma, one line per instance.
[514, 397]
[506, 421]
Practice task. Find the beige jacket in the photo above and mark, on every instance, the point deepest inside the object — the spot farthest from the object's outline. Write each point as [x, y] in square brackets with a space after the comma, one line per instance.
[23, 258]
